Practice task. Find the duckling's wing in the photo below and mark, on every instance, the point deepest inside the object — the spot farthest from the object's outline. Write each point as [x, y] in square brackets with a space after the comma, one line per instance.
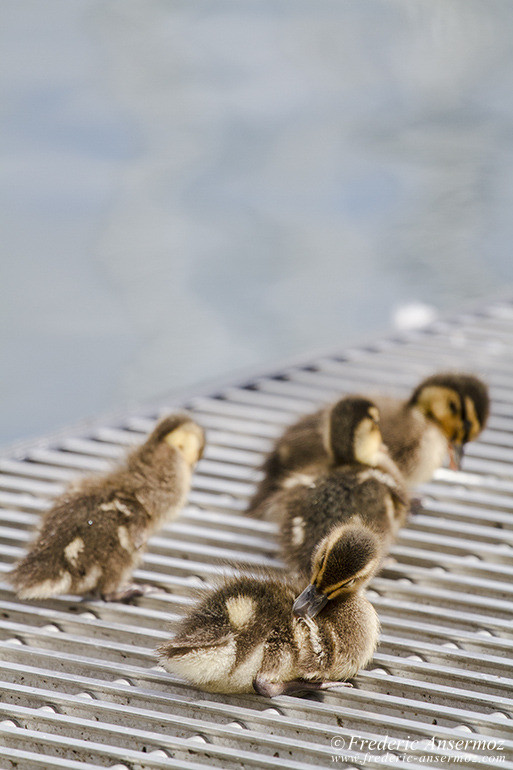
[193, 643]
[205, 663]
[205, 627]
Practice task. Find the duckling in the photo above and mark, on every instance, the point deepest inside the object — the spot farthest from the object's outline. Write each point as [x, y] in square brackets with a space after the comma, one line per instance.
[363, 488]
[94, 536]
[443, 413]
[255, 633]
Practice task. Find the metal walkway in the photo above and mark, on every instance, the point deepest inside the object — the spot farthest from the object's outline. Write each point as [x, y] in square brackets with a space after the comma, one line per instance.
[79, 683]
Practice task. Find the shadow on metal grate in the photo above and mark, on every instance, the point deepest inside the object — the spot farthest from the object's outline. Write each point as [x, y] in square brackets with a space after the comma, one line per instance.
[80, 685]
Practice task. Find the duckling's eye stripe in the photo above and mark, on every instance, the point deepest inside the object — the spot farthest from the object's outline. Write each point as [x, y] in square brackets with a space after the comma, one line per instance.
[336, 586]
[473, 423]
[463, 408]
[467, 424]
[324, 560]
[322, 567]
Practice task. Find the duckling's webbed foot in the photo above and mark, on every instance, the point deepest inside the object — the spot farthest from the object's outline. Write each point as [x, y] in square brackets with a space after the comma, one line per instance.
[270, 689]
[129, 592]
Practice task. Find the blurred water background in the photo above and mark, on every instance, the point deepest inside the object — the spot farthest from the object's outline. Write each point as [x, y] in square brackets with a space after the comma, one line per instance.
[190, 188]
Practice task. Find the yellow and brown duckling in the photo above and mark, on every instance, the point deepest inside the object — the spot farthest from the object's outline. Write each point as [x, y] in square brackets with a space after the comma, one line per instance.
[363, 488]
[255, 633]
[94, 536]
[442, 414]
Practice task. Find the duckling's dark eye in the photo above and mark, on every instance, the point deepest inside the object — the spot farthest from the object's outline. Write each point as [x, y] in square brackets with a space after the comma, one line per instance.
[453, 406]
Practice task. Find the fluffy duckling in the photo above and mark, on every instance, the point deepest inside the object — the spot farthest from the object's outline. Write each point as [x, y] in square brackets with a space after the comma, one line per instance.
[364, 488]
[442, 414]
[253, 634]
[94, 536]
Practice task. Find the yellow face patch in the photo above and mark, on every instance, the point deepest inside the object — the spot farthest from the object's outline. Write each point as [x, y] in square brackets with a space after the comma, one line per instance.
[189, 440]
[444, 405]
[367, 441]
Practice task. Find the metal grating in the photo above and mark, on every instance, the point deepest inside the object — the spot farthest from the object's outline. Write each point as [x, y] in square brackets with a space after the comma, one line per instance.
[80, 686]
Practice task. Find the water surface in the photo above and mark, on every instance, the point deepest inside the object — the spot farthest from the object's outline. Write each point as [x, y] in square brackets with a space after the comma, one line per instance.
[192, 188]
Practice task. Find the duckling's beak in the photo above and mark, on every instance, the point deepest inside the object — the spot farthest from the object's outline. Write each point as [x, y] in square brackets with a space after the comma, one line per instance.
[309, 603]
[455, 456]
